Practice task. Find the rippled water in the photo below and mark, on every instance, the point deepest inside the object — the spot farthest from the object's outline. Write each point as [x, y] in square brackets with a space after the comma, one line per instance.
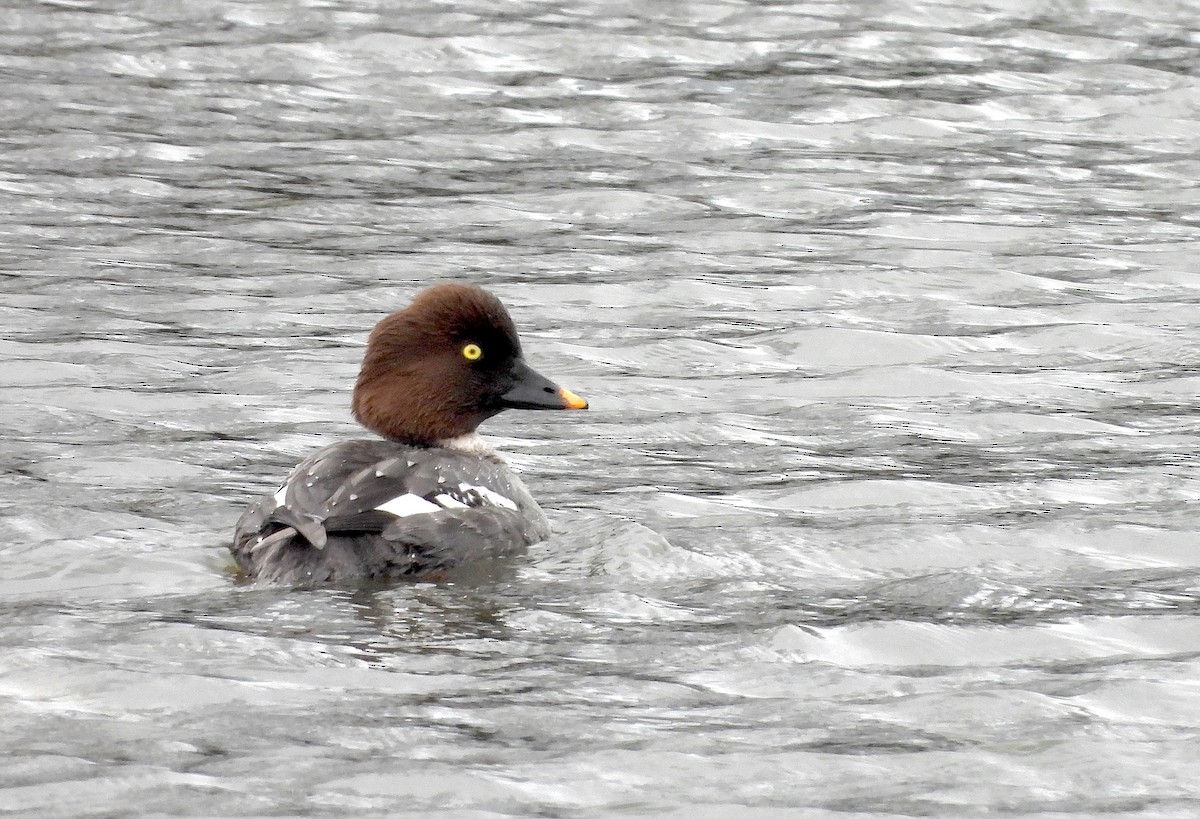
[887, 500]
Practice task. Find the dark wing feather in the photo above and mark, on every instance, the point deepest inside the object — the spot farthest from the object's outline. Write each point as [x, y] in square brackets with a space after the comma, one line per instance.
[307, 491]
[328, 527]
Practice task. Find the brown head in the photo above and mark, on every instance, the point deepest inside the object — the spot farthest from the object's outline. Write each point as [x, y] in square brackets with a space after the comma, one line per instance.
[449, 361]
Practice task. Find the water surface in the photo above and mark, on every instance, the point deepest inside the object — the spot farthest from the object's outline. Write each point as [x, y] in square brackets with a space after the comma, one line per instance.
[887, 312]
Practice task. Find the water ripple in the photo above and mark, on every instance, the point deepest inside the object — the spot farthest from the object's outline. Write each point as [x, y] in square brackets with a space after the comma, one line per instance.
[886, 314]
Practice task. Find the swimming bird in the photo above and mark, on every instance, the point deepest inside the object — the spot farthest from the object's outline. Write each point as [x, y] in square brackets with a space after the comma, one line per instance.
[428, 494]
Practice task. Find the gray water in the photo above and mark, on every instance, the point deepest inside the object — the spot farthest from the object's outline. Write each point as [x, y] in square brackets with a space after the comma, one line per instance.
[886, 504]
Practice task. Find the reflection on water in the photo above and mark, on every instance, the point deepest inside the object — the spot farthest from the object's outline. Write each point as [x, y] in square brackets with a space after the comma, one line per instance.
[885, 502]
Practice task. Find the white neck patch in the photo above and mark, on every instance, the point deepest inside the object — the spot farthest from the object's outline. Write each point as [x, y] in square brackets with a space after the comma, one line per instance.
[470, 443]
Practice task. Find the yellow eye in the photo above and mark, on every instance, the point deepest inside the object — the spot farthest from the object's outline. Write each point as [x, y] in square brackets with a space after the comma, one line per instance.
[472, 352]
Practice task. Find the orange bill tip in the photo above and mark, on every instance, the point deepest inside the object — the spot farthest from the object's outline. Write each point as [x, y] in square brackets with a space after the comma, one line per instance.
[572, 400]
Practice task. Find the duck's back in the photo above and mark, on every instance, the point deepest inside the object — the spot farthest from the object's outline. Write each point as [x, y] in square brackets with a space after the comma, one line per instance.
[376, 510]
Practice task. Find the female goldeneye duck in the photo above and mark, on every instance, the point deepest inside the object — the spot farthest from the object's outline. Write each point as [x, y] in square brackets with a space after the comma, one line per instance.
[431, 494]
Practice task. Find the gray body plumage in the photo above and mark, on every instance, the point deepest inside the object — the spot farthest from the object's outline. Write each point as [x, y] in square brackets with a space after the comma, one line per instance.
[441, 507]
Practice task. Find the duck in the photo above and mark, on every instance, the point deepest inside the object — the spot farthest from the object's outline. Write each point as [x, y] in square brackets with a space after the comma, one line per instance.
[427, 495]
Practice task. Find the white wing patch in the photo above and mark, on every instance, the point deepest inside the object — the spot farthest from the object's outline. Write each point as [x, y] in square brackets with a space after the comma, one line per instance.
[281, 495]
[465, 497]
[406, 505]
[489, 495]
